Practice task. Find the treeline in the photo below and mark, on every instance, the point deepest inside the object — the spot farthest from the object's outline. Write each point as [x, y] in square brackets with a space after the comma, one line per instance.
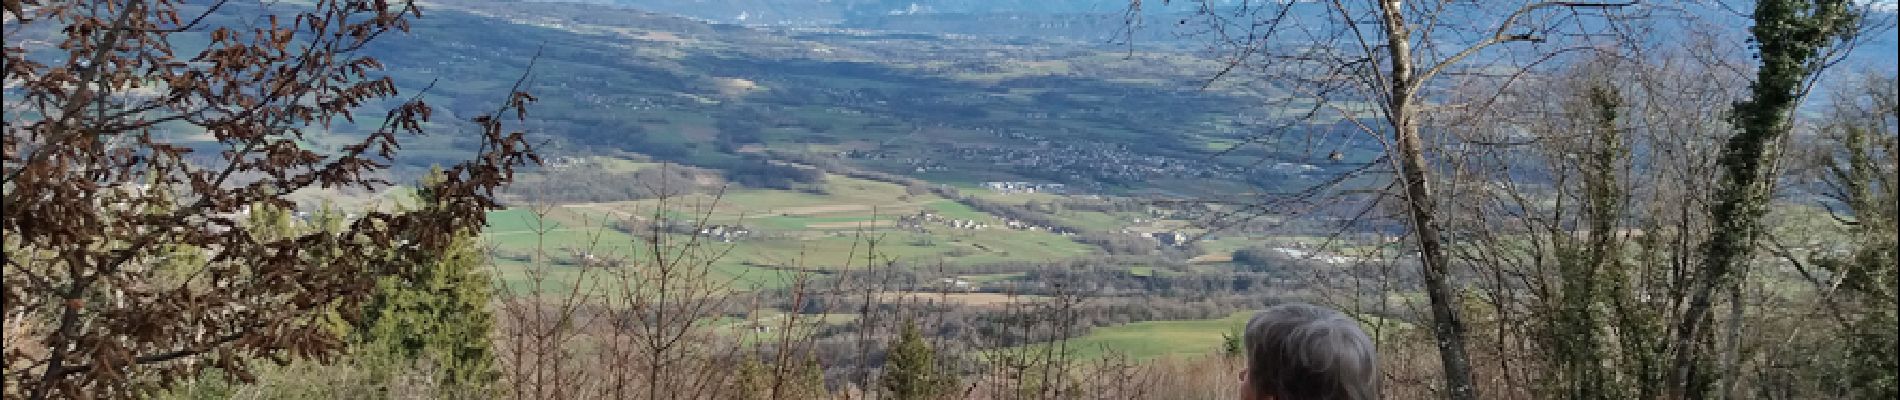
[760, 172]
[1115, 243]
[586, 183]
[833, 165]
[968, 331]
[1265, 259]
[1057, 303]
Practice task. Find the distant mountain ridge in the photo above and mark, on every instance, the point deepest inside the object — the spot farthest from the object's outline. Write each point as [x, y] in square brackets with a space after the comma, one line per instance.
[834, 12]
[1079, 20]
[1107, 21]
[615, 79]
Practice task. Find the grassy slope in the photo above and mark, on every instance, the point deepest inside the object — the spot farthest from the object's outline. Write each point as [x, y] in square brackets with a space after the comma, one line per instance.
[1153, 339]
[564, 230]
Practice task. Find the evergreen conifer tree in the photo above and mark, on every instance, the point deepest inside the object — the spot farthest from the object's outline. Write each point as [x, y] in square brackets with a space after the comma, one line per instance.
[436, 315]
[910, 368]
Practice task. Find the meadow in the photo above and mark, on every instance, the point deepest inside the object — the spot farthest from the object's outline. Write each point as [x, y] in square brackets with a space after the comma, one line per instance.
[851, 223]
[1157, 339]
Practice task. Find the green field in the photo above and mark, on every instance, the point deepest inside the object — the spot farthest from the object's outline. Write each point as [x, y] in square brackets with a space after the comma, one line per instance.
[1152, 271]
[844, 201]
[557, 233]
[850, 224]
[1155, 339]
[991, 278]
[952, 209]
[767, 326]
[849, 249]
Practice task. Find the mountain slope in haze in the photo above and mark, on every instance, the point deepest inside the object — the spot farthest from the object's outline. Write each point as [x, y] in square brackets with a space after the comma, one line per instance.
[727, 97]
[949, 110]
[1074, 20]
[834, 12]
[1158, 22]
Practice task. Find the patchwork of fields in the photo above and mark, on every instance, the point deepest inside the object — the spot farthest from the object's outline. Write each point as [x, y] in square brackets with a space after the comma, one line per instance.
[853, 222]
[846, 223]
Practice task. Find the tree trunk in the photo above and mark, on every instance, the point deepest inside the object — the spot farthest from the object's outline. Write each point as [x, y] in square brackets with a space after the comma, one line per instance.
[1447, 327]
[1789, 35]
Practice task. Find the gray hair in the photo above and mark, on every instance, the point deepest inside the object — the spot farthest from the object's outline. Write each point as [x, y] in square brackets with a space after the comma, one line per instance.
[1299, 351]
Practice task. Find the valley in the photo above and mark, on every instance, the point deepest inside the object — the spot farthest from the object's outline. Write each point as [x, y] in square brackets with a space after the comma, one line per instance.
[922, 200]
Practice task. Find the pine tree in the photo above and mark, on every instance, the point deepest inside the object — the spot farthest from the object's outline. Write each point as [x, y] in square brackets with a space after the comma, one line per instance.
[910, 368]
[809, 382]
[435, 315]
[751, 381]
[756, 380]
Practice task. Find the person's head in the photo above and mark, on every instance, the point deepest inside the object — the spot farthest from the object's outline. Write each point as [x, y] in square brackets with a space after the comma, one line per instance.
[1299, 351]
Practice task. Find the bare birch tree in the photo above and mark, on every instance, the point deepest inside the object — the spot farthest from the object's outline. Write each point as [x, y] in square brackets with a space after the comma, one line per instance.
[1382, 66]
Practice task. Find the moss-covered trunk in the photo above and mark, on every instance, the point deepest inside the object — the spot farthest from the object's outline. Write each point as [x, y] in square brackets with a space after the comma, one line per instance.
[1789, 35]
